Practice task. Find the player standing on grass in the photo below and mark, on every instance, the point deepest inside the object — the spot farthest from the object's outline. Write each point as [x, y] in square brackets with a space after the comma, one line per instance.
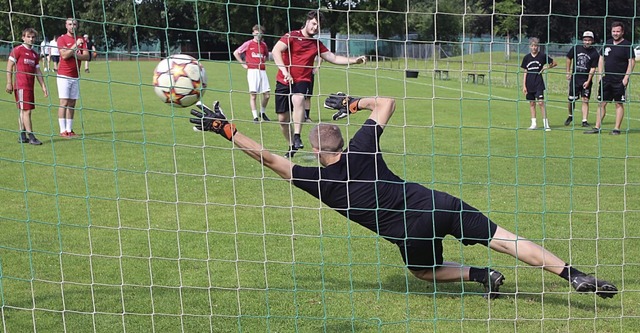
[533, 87]
[582, 61]
[294, 55]
[73, 50]
[24, 62]
[357, 183]
[617, 61]
[256, 54]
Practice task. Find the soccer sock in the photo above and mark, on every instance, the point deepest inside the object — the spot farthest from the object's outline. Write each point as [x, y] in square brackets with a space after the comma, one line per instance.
[545, 122]
[584, 120]
[568, 272]
[63, 124]
[262, 110]
[69, 125]
[306, 113]
[534, 122]
[478, 274]
[254, 113]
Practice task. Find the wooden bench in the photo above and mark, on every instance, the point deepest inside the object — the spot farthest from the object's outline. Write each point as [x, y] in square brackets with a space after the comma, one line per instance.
[476, 77]
[441, 74]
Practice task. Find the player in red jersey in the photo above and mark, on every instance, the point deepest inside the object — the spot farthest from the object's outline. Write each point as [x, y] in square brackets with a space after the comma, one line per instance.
[256, 53]
[24, 62]
[295, 54]
[73, 51]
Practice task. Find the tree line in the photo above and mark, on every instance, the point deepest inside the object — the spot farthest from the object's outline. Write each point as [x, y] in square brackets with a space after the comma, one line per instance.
[217, 25]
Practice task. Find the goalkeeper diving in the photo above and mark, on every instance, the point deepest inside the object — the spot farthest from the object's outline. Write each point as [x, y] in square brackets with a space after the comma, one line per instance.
[357, 183]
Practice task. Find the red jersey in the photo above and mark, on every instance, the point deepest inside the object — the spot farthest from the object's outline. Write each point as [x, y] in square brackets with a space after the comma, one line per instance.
[26, 60]
[69, 67]
[255, 54]
[300, 55]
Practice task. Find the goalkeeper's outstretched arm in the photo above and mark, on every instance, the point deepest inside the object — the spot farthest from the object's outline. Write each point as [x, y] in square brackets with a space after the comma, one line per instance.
[278, 164]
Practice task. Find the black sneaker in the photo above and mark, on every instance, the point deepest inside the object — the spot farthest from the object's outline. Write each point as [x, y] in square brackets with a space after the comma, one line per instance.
[34, 141]
[308, 120]
[568, 121]
[297, 142]
[615, 132]
[23, 139]
[594, 130]
[589, 284]
[265, 118]
[585, 124]
[290, 153]
[256, 120]
[492, 284]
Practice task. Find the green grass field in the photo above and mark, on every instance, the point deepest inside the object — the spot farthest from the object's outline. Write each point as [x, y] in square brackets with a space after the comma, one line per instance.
[144, 225]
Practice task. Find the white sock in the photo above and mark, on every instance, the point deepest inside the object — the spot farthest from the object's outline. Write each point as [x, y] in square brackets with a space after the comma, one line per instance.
[63, 124]
[69, 125]
[584, 120]
[546, 123]
[534, 122]
[262, 110]
[254, 113]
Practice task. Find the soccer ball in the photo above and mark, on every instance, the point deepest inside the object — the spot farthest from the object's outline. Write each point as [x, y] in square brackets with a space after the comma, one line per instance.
[179, 80]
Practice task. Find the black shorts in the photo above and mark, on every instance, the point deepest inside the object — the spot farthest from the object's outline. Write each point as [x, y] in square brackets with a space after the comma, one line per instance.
[535, 95]
[576, 90]
[55, 58]
[422, 248]
[310, 87]
[611, 92]
[284, 92]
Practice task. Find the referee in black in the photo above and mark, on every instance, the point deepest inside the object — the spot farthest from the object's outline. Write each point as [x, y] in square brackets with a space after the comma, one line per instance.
[617, 60]
[357, 183]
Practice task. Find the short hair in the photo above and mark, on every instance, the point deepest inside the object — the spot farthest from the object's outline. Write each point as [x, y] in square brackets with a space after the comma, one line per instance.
[534, 40]
[315, 14]
[326, 138]
[29, 31]
[72, 20]
[258, 27]
[617, 24]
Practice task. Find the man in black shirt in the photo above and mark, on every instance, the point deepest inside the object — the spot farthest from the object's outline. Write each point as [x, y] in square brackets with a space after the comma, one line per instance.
[357, 183]
[616, 64]
[582, 61]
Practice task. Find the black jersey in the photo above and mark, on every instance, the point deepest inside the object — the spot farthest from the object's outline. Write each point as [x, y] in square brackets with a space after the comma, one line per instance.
[534, 65]
[584, 59]
[616, 59]
[362, 188]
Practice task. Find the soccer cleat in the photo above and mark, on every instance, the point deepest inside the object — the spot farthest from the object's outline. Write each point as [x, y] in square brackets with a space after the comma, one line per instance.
[585, 124]
[34, 141]
[297, 143]
[568, 121]
[290, 153]
[615, 132]
[23, 140]
[532, 127]
[265, 118]
[584, 283]
[492, 284]
[256, 120]
[594, 130]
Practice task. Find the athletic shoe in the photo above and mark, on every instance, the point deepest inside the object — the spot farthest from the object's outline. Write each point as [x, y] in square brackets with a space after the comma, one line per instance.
[308, 120]
[34, 141]
[584, 283]
[87, 70]
[547, 129]
[568, 121]
[615, 132]
[492, 284]
[256, 120]
[594, 130]
[290, 153]
[585, 124]
[23, 140]
[297, 143]
[71, 134]
[532, 127]
[265, 118]
[64, 134]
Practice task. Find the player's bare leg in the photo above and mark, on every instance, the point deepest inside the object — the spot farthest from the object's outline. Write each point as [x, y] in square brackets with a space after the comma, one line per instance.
[298, 119]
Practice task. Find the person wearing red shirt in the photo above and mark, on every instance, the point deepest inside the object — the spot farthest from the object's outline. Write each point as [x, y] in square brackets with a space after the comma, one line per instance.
[73, 51]
[256, 53]
[24, 62]
[294, 54]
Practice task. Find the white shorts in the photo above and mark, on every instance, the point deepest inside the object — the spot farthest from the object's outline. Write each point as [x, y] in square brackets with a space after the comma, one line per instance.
[258, 81]
[68, 87]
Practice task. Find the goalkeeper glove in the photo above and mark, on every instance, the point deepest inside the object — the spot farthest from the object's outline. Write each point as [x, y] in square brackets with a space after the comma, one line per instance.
[343, 103]
[213, 121]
